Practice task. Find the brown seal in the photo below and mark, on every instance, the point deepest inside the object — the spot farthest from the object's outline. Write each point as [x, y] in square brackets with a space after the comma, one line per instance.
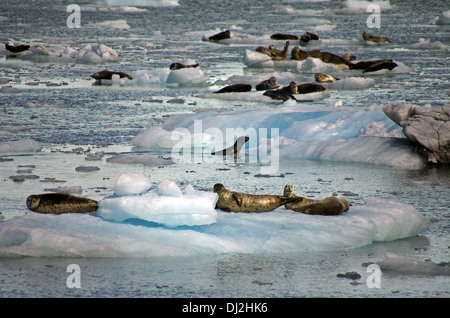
[220, 36]
[308, 36]
[381, 66]
[235, 88]
[327, 206]
[299, 54]
[273, 53]
[362, 65]
[178, 66]
[306, 88]
[17, 48]
[325, 78]
[59, 203]
[292, 88]
[374, 38]
[233, 150]
[283, 36]
[107, 75]
[271, 83]
[241, 202]
[326, 57]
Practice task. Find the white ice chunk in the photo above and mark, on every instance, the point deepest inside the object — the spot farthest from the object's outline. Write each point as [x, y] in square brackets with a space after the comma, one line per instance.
[131, 184]
[22, 145]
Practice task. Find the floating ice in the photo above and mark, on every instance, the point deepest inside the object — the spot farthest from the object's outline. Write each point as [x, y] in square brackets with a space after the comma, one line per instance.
[314, 65]
[187, 76]
[427, 44]
[350, 83]
[360, 6]
[280, 231]
[141, 159]
[113, 25]
[22, 145]
[167, 205]
[319, 132]
[131, 184]
[143, 3]
[403, 265]
[156, 76]
[444, 18]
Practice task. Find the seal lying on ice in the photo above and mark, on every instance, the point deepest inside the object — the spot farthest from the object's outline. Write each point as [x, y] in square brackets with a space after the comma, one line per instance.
[59, 203]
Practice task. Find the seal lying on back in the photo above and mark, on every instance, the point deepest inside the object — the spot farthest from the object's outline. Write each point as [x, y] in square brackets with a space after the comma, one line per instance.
[17, 48]
[220, 36]
[241, 202]
[178, 66]
[107, 75]
[325, 78]
[271, 83]
[233, 150]
[59, 203]
[279, 94]
[235, 88]
[327, 206]
[374, 38]
[273, 53]
[282, 36]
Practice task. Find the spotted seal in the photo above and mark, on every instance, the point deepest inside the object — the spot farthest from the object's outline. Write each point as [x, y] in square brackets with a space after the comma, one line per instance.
[374, 38]
[107, 75]
[325, 78]
[271, 83]
[59, 203]
[230, 201]
[233, 150]
[327, 206]
[235, 88]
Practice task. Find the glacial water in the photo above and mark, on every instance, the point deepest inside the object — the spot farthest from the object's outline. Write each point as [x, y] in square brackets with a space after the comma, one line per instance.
[60, 132]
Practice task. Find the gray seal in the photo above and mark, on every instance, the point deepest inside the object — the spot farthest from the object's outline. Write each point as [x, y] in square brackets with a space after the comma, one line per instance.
[283, 36]
[220, 36]
[381, 66]
[325, 78]
[308, 36]
[179, 66]
[107, 75]
[230, 201]
[17, 48]
[271, 83]
[59, 203]
[374, 38]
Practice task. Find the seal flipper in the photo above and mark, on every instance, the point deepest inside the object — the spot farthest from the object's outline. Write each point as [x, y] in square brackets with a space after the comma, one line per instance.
[237, 198]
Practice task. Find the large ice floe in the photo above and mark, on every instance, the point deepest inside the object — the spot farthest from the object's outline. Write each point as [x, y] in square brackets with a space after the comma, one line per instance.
[298, 130]
[167, 221]
[65, 54]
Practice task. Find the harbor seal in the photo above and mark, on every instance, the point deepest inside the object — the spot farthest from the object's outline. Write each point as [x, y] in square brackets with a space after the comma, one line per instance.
[327, 206]
[220, 36]
[362, 65]
[292, 88]
[235, 88]
[229, 201]
[308, 36]
[283, 36]
[233, 150]
[16, 48]
[306, 88]
[59, 203]
[280, 55]
[271, 83]
[107, 75]
[374, 38]
[381, 66]
[178, 66]
[299, 54]
[325, 78]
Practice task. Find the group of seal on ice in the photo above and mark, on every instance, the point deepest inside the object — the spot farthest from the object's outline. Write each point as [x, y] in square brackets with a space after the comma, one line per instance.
[230, 201]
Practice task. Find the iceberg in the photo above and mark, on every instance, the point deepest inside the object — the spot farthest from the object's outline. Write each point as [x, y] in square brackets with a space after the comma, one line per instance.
[279, 231]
